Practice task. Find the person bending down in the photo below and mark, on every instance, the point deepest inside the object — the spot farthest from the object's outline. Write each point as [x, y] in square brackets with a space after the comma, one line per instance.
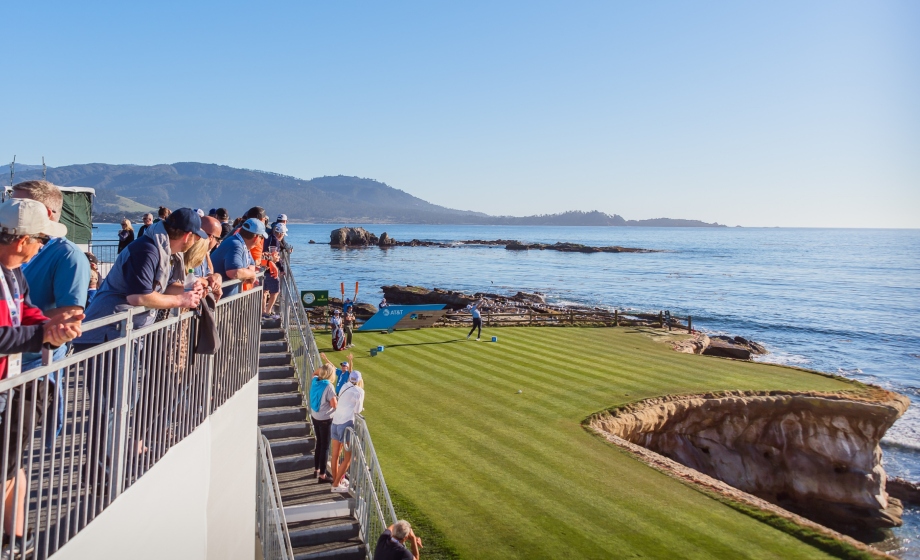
[392, 543]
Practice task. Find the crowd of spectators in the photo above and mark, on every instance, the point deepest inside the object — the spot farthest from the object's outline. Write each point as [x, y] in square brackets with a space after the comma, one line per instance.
[50, 287]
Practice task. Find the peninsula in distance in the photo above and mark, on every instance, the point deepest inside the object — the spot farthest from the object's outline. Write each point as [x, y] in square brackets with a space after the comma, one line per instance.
[128, 191]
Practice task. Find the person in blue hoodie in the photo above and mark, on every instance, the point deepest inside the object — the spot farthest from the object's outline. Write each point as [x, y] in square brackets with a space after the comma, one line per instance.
[322, 405]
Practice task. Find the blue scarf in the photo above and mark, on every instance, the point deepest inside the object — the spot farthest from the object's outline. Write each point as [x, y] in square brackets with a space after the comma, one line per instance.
[317, 388]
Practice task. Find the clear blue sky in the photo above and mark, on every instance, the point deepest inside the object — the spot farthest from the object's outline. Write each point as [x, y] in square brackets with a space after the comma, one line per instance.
[771, 113]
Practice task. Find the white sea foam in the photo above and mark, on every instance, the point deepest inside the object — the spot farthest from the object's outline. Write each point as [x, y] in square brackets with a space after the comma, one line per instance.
[783, 359]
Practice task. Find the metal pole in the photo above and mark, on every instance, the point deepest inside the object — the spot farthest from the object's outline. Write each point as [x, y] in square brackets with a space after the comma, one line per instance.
[122, 405]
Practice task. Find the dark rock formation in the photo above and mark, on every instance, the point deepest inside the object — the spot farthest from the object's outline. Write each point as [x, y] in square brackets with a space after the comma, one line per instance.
[904, 490]
[352, 237]
[817, 455]
[572, 248]
[733, 347]
[415, 295]
[386, 240]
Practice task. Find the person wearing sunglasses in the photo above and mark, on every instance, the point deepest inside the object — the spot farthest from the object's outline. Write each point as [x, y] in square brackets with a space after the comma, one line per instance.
[25, 229]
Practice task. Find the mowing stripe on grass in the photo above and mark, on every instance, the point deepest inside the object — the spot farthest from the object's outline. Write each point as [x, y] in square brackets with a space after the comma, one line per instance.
[507, 475]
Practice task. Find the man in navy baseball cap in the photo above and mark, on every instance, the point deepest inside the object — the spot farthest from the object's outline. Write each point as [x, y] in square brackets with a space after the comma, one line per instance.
[186, 220]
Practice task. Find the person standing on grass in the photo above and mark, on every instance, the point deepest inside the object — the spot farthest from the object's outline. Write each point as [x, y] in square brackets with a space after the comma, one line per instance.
[349, 325]
[351, 402]
[392, 543]
[477, 319]
[338, 331]
[322, 404]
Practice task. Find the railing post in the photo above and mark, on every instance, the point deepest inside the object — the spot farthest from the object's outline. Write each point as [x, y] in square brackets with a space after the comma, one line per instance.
[126, 357]
[689, 324]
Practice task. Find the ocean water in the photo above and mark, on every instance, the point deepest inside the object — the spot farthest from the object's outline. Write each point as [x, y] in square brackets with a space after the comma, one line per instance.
[843, 301]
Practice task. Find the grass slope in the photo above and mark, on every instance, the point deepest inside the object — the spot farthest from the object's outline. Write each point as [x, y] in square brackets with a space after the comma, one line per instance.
[507, 475]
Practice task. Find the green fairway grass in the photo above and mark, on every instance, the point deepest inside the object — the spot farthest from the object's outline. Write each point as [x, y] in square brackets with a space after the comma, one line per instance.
[499, 474]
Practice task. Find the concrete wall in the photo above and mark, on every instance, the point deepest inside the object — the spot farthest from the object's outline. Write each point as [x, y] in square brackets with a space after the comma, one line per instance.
[198, 502]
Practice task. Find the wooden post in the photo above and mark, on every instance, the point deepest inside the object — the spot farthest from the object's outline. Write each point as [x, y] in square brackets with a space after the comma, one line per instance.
[571, 317]
[660, 320]
[689, 324]
[616, 317]
[530, 316]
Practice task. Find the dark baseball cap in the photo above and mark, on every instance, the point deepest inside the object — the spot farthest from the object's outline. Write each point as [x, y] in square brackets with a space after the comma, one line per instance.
[188, 220]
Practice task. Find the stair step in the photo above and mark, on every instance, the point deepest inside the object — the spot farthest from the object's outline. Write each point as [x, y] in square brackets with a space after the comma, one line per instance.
[272, 386]
[285, 371]
[271, 323]
[300, 488]
[271, 334]
[275, 359]
[323, 531]
[276, 400]
[286, 430]
[352, 549]
[282, 415]
[291, 463]
[273, 346]
[292, 445]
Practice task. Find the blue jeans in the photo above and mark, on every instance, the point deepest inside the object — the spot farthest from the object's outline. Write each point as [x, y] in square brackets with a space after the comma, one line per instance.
[28, 363]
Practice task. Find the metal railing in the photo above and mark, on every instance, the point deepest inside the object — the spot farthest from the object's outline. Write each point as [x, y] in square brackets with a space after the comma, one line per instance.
[373, 506]
[104, 250]
[275, 539]
[78, 432]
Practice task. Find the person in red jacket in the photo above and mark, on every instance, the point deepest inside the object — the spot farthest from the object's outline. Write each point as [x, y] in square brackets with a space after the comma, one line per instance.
[24, 228]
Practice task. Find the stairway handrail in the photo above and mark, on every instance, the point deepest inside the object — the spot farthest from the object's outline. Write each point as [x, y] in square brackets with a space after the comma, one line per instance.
[270, 508]
[368, 483]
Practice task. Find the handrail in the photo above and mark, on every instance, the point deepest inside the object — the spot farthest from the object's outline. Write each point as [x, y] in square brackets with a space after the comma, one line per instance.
[274, 536]
[365, 475]
[83, 429]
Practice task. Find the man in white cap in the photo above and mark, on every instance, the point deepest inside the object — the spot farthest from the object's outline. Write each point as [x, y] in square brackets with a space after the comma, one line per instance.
[24, 228]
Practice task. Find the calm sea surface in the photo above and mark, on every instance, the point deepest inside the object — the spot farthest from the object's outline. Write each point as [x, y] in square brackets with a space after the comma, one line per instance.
[843, 301]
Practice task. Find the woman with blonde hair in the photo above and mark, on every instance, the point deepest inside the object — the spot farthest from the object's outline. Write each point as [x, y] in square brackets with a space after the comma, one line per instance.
[323, 403]
[197, 253]
[126, 235]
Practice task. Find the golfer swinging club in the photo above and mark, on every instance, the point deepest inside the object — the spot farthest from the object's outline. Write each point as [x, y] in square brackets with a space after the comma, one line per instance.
[477, 319]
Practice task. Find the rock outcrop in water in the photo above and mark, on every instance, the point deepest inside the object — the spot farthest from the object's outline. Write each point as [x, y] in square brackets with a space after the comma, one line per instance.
[815, 454]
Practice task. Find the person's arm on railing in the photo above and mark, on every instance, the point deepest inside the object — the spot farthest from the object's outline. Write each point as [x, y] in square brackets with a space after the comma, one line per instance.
[168, 300]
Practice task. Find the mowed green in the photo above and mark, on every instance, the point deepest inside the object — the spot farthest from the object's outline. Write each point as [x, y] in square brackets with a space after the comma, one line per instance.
[508, 474]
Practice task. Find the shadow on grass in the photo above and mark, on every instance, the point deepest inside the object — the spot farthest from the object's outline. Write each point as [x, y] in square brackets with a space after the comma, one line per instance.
[398, 346]
[434, 544]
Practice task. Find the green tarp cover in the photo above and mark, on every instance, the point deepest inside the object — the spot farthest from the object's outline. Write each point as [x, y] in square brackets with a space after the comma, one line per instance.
[77, 215]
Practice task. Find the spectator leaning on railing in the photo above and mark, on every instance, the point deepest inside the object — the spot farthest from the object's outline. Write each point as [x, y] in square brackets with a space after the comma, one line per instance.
[59, 274]
[24, 229]
[233, 260]
[140, 276]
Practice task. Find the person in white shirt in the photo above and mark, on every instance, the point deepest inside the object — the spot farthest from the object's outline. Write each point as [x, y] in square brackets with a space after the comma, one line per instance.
[351, 402]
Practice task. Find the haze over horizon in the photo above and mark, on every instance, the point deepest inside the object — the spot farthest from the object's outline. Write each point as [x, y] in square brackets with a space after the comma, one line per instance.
[784, 114]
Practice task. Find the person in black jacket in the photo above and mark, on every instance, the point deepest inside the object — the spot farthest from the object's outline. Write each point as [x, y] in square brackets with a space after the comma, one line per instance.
[126, 235]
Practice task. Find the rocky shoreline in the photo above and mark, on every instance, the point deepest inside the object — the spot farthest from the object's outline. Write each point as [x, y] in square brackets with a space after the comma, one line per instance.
[360, 237]
[524, 308]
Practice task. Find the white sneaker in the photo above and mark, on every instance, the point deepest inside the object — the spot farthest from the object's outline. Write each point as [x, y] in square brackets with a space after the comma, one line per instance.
[340, 489]
[345, 483]
[477, 340]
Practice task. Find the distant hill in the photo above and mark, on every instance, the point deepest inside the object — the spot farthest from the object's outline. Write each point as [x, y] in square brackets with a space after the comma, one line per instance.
[129, 190]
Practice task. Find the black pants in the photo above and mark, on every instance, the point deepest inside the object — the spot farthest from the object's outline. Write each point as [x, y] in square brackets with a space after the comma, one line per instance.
[323, 431]
[477, 324]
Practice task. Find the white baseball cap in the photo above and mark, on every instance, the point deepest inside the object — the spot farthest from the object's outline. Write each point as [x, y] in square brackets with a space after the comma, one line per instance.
[355, 376]
[22, 216]
[281, 228]
[282, 217]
